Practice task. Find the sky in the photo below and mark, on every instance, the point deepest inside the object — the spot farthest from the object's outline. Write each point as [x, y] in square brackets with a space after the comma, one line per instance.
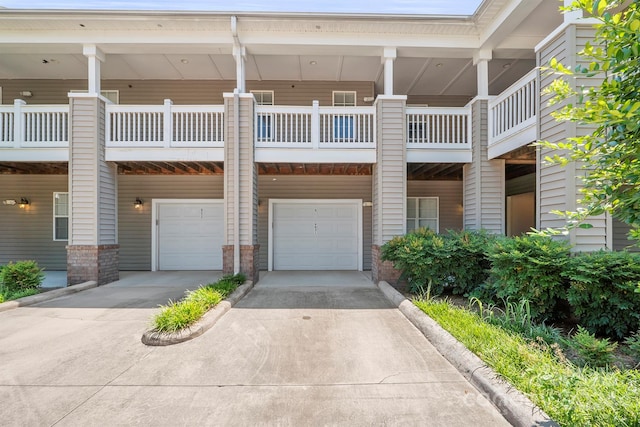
[429, 7]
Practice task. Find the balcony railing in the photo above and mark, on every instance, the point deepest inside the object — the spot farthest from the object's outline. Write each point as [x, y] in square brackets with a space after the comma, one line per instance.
[31, 126]
[429, 127]
[314, 127]
[165, 125]
[513, 116]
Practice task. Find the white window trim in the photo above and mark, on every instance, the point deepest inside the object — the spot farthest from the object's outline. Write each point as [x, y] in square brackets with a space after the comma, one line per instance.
[417, 218]
[355, 97]
[55, 197]
[273, 97]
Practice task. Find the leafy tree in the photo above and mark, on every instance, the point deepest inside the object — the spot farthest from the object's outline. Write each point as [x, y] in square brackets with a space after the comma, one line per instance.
[611, 154]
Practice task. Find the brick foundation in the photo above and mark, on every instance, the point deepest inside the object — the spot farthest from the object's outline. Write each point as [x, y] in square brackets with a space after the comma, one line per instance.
[90, 262]
[383, 270]
[249, 261]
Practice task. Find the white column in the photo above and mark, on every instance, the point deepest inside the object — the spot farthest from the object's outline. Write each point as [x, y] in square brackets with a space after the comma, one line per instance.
[572, 16]
[239, 54]
[481, 61]
[389, 56]
[95, 56]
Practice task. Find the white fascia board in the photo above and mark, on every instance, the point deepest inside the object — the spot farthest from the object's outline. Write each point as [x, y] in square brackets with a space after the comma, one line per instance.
[124, 37]
[35, 154]
[423, 41]
[435, 155]
[143, 154]
[512, 142]
[325, 155]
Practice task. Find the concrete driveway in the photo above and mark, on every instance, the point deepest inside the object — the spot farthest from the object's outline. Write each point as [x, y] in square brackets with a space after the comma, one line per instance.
[286, 355]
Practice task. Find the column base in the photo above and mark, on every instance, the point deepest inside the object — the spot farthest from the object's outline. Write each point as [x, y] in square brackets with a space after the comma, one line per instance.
[384, 271]
[249, 261]
[99, 263]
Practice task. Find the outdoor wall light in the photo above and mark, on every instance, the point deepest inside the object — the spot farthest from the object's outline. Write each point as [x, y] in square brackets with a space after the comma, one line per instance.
[24, 202]
[138, 203]
[9, 202]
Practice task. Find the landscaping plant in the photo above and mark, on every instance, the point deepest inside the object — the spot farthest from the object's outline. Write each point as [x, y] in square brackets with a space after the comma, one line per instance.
[20, 279]
[570, 395]
[528, 268]
[455, 260]
[603, 293]
[597, 353]
[179, 315]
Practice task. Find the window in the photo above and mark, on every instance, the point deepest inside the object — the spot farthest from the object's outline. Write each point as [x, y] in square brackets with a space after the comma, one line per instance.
[263, 97]
[111, 95]
[263, 120]
[60, 216]
[344, 98]
[422, 212]
[343, 123]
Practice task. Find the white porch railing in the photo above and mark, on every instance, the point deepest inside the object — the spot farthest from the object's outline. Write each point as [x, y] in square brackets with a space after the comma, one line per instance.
[513, 116]
[32, 126]
[314, 127]
[440, 128]
[164, 125]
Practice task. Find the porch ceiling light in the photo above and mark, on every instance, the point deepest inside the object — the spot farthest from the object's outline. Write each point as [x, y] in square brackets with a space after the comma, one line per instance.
[24, 202]
[184, 61]
[138, 203]
[313, 62]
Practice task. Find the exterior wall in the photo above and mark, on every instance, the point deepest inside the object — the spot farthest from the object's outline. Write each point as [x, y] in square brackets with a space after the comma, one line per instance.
[484, 192]
[438, 101]
[134, 225]
[559, 187]
[390, 182]
[182, 91]
[390, 173]
[28, 233]
[313, 187]
[521, 184]
[450, 195]
[620, 237]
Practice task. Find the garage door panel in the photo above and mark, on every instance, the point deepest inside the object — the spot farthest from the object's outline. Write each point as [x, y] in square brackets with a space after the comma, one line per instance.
[190, 236]
[315, 236]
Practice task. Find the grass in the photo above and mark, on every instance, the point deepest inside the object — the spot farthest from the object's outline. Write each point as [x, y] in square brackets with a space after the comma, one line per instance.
[571, 395]
[178, 315]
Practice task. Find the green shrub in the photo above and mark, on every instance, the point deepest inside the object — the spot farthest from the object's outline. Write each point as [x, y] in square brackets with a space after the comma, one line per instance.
[456, 259]
[633, 345]
[469, 262]
[21, 275]
[422, 257]
[592, 351]
[528, 268]
[603, 293]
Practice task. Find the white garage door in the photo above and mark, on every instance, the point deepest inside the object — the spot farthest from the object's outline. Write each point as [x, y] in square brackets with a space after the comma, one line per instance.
[316, 235]
[190, 235]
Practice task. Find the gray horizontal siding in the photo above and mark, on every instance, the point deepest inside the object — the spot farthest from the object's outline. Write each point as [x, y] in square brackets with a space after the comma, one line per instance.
[313, 187]
[197, 92]
[28, 233]
[521, 184]
[620, 237]
[134, 225]
[450, 200]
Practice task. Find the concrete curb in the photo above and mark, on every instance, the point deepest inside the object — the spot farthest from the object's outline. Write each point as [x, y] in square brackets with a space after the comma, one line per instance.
[46, 296]
[513, 405]
[154, 338]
